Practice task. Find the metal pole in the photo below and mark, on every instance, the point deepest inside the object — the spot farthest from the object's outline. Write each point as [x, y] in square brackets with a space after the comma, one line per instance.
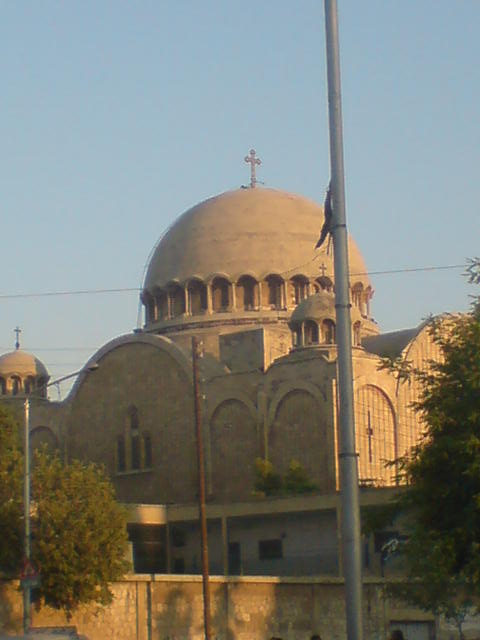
[201, 490]
[26, 507]
[347, 455]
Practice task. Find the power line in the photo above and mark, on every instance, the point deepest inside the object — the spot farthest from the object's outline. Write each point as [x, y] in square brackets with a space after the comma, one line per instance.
[411, 270]
[44, 294]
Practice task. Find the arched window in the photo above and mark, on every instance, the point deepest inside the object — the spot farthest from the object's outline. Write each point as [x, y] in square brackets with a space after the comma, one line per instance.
[328, 332]
[220, 294]
[161, 304]
[357, 338]
[311, 332]
[42, 387]
[197, 297]
[376, 436]
[121, 457]
[358, 299]
[298, 289]
[177, 300]
[147, 450]
[274, 291]
[16, 385]
[150, 312]
[29, 385]
[3, 386]
[297, 337]
[246, 293]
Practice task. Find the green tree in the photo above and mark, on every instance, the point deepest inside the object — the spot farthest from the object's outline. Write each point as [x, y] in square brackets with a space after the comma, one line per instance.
[79, 536]
[296, 480]
[11, 499]
[79, 533]
[439, 508]
[269, 482]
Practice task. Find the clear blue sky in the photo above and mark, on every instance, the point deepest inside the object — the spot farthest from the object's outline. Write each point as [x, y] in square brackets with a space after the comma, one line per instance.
[117, 116]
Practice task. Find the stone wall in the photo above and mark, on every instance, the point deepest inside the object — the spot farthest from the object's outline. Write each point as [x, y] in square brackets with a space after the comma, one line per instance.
[171, 608]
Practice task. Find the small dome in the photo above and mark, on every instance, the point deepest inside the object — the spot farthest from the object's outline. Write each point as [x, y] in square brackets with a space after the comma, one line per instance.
[22, 364]
[318, 307]
[247, 231]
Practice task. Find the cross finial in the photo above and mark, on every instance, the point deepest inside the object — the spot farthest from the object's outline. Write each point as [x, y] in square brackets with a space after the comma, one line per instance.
[253, 162]
[323, 268]
[17, 331]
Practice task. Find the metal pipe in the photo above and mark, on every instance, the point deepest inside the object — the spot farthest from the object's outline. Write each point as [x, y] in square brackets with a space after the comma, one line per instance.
[350, 526]
[201, 490]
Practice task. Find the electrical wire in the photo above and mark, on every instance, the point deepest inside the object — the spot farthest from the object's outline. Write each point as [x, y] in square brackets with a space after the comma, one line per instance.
[43, 294]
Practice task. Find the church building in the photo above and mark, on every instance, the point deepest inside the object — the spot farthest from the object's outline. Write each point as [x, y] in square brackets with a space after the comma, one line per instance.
[238, 272]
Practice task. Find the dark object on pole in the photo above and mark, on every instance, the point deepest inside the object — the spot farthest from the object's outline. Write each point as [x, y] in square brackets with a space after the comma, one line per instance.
[201, 489]
[327, 223]
[350, 526]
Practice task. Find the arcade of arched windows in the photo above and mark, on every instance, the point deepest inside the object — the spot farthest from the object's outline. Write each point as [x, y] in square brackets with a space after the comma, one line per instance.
[220, 295]
[16, 385]
[310, 333]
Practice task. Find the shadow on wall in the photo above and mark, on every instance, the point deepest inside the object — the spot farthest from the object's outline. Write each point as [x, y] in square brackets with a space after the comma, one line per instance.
[171, 616]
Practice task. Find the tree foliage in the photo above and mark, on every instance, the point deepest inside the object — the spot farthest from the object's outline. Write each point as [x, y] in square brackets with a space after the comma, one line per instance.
[79, 533]
[440, 506]
[79, 538]
[11, 499]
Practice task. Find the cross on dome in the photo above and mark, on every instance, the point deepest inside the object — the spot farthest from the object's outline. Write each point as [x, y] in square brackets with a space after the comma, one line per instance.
[252, 161]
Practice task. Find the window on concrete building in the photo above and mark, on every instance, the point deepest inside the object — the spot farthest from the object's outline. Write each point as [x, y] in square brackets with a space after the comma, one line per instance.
[234, 559]
[179, 565]
[3, 386]
[178, 537]
[270, 549]
[149, 548]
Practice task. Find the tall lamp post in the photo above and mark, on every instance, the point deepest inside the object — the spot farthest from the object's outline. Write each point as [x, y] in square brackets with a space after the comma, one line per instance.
[27, 582]
[350, 524]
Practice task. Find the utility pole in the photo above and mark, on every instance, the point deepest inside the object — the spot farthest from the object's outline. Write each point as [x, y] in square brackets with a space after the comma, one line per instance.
[201, 490]
[350, 526]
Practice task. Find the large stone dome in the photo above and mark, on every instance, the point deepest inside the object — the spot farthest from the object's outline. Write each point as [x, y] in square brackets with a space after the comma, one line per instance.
[247, 231]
